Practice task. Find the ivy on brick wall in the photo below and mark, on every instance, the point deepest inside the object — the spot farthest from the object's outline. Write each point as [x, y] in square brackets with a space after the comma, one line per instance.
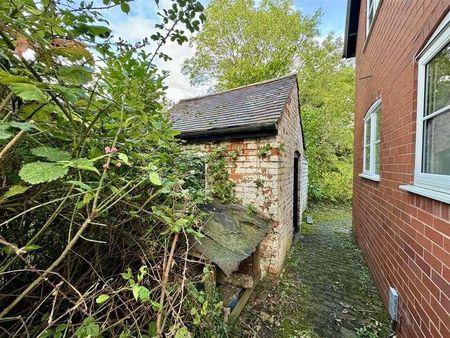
[219, 184]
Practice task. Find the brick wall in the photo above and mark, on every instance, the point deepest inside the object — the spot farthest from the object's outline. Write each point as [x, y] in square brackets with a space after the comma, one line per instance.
[290, 135]
[405, 237]
[275, 171]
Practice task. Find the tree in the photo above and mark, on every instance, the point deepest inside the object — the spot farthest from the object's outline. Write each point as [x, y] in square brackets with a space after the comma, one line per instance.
[243, 43]
[326, 85]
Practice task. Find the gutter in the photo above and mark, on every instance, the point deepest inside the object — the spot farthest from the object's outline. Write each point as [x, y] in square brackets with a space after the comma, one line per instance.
[239, 132]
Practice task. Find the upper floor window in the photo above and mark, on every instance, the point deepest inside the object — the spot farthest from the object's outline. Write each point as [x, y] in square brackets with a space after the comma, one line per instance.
[372, 126]
[432, 169]
[372, 6]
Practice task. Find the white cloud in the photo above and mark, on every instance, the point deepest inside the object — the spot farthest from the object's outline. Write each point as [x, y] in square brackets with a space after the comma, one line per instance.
[135, 28]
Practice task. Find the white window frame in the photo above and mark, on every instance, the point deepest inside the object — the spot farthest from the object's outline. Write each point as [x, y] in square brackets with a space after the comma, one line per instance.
[434, 182]
[372, 116]
[375, 4]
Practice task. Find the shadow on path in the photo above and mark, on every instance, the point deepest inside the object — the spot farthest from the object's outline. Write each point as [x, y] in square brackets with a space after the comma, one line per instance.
[325, 290]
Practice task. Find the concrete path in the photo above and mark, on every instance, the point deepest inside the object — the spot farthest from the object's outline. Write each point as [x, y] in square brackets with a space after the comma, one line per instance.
[325, 290]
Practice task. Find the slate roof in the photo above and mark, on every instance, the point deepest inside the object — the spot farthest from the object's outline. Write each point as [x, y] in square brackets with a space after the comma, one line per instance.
[257, 106]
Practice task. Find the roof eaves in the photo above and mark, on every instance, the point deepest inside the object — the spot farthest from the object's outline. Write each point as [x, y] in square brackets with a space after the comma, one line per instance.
[351, 28]
[236, 132]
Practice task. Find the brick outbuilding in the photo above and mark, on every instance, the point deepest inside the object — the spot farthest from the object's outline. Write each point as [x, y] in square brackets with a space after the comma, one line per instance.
[260, 125]
[401, 211]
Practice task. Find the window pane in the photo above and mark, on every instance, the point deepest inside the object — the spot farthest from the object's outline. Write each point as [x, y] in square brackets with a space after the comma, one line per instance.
[370, 16]
[438, 81]
[377, 159]
[367, 128]
[378, 124]
[436, 144]
[367, 159]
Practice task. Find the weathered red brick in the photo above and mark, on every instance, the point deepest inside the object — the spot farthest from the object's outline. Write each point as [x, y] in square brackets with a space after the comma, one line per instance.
[405, 237]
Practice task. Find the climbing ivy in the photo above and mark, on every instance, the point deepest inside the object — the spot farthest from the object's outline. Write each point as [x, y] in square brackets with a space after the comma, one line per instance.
[219, 184]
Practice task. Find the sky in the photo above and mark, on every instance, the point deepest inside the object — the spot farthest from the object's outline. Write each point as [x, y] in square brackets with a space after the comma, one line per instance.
[140, 22]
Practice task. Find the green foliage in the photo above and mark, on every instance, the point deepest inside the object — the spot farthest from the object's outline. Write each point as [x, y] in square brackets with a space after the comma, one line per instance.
[28, 92]
[15, 190]
[139, 291]
[101, 299]
[154, 178]
[251, 210]
[75, 75]
[259, 183]
[92, 176]
[219, 184]
[245, 42]
[40, 172]
[265, 150]
[371, 330]
[51, 154]
[207, 312]
[234, 154]
[88, 329]
[234, 49]
[327, 100]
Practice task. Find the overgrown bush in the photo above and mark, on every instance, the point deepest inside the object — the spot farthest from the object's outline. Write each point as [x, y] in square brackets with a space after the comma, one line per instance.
[95, 202]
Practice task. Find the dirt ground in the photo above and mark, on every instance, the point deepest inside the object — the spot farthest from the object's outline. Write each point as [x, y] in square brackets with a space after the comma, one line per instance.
[325, 290]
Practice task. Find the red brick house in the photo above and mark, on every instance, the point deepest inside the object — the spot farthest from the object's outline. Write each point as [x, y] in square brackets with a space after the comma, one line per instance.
[401, 211]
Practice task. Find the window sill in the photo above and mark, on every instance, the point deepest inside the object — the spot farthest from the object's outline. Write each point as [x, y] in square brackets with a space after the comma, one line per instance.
[371, 177]
[436, 195]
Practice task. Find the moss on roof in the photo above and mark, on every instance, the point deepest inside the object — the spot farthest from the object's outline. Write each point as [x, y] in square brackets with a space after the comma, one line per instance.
[231, 234]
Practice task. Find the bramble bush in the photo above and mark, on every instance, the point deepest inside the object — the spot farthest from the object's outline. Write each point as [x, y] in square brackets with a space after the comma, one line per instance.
[95, 201]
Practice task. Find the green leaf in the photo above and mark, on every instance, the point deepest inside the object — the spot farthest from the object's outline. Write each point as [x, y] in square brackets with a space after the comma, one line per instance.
[51, 154]
[28, 92]
[88, 197]
[5, 127]
[88, 329]
[83, 164]
[124, 158]
[6, 78]
[154, 178]
[183, 333]
[125, 7]
[144, 294]
[127, 275]
[21, 125]
[40, 172]
[101, 299]
[31, 247]
[100, 31]
[155, 305]
[5, 135]
[81, 185]
[75, 75]
[15, 190]
[136, 290]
